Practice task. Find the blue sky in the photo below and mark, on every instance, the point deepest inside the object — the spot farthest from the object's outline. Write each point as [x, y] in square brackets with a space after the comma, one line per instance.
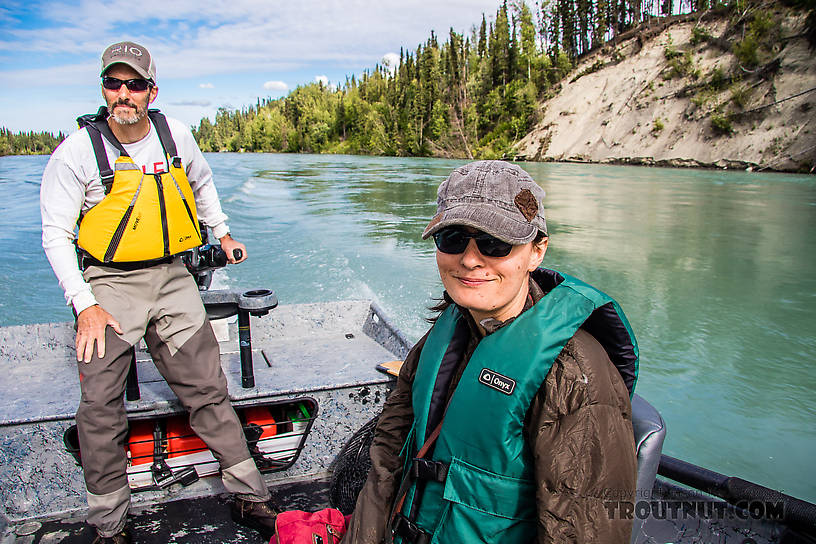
[208, 54]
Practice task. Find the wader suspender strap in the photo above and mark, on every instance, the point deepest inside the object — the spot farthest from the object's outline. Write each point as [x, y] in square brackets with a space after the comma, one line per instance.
[397, 522]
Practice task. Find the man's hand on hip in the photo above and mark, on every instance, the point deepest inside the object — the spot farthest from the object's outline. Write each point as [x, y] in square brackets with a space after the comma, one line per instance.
[91, 325]
[229, 245]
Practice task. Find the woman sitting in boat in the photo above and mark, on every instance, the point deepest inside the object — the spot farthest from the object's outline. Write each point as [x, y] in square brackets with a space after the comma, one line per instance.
[511, 417]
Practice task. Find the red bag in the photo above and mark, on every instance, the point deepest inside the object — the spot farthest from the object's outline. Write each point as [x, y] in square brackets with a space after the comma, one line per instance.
[325, 526]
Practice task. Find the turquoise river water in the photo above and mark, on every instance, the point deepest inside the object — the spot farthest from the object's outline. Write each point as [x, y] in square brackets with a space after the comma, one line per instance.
[716, 271]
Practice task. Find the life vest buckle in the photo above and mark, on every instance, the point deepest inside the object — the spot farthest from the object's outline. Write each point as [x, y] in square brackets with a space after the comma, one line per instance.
[426, 469]
[409, 531]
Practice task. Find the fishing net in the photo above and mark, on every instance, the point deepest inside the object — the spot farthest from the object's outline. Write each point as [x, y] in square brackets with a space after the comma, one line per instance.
[350, 468]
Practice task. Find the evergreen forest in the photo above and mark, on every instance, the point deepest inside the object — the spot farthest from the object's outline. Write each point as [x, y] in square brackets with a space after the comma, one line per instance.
[28, 143]
[465, 95]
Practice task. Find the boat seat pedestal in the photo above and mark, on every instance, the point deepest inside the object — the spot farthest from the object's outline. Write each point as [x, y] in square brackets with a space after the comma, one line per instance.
[220, 304]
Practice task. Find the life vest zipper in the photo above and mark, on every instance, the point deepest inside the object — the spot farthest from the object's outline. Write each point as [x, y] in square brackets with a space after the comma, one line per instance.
[120, 228]
[163, 209]
[117, 236]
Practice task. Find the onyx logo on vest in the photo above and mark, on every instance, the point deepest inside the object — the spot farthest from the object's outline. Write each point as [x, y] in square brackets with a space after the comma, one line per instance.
[496, 381]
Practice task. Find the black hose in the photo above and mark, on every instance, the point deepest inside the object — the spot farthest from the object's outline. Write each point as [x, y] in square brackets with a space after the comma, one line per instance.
[699, 478]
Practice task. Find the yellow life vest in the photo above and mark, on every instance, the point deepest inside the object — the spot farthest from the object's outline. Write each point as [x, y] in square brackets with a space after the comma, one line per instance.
[143, 217]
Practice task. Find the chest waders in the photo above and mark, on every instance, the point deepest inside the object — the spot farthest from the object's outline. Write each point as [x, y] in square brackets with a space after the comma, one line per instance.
[143, 217]
[478, 485]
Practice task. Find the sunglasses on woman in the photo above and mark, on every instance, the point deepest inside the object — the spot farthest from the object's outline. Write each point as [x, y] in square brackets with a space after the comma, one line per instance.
[454, 240]
[133, 85]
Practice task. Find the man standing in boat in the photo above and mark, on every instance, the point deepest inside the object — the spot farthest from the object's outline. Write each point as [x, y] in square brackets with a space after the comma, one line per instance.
[136, 183]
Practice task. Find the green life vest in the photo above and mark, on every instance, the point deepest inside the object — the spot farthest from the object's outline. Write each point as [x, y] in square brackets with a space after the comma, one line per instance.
[488, 491]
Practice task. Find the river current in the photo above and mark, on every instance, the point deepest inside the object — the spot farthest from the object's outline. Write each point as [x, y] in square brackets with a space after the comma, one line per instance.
[716, 271]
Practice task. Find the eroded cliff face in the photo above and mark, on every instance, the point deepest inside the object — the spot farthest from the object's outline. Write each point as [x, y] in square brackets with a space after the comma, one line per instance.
[672, 95]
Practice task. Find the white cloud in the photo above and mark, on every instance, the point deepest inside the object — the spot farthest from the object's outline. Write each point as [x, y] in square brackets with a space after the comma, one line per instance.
[276, 86]
[246, 35]
[206, 86]
[85, 74]
[199, 103]
[390, 61]
[325, 81]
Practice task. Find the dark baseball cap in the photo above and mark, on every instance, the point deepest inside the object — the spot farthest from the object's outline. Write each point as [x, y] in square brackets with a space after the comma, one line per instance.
[134, 55]
[496, 197]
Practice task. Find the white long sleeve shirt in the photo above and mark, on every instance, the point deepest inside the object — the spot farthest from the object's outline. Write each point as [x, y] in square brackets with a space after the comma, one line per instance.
[72, 185]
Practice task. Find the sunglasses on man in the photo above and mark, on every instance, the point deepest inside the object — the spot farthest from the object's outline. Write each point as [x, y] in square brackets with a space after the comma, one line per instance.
[133, 85]
[454, 240]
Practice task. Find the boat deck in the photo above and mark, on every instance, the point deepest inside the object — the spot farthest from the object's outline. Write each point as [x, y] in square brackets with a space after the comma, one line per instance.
[207, 520]
[203, 520]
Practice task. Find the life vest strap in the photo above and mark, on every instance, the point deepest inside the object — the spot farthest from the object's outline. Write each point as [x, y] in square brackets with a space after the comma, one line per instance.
[408, 480]
[105, 171]
[98, 127]
[85, 260]
[165, 136]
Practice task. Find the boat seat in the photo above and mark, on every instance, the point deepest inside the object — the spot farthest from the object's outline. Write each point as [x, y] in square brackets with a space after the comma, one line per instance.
[650, 431]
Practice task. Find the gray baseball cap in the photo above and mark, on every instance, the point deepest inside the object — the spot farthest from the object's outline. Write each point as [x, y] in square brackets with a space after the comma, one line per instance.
[496, 197]
[134, 55]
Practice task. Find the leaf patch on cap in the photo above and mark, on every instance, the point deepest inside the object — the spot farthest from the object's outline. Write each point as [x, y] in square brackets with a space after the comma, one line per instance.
[437, 218]
[527, 204]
